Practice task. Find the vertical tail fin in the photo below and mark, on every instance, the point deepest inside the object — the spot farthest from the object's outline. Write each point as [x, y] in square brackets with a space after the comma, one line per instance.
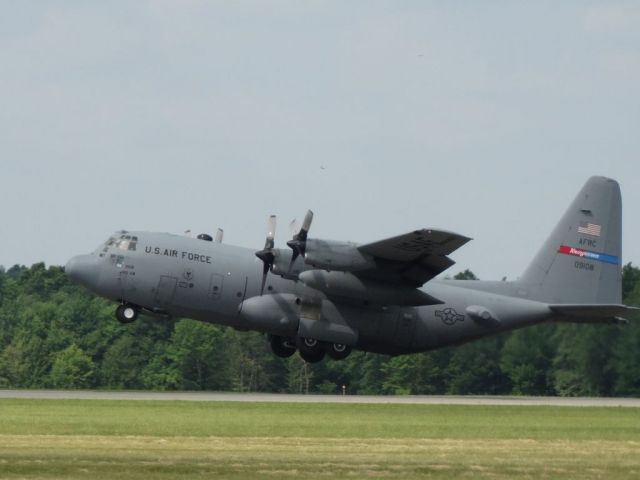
[580, 261]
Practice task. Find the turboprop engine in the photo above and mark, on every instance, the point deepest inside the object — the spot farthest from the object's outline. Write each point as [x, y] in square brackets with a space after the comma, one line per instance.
[328, 255]
[285, 315]
[277, 313]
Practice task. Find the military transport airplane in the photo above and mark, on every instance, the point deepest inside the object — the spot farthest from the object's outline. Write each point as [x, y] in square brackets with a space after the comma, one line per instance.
[328, 297]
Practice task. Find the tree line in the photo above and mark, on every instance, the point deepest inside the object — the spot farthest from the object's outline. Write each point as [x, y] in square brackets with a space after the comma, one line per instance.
[54, 334]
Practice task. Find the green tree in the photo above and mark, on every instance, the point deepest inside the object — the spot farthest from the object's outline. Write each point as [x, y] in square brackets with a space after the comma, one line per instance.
[199, 353]
[252, 365]
[582, 363]
[72, 368]
[527, 358]
[420, 373]
[43, 315]
[630, 279]
[14, 366]
[625, 359]
[465, 275]
[123, 363]
[299, 375]
[162, 372]
[475, 368]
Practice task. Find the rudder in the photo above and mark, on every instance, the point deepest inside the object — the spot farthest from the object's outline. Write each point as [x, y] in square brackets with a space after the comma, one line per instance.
[580, 262]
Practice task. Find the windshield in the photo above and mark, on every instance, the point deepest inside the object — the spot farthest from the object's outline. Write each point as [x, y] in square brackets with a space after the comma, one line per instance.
[127, 242]
[121, 241]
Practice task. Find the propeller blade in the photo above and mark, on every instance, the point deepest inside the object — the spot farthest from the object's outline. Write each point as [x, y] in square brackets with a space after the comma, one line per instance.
[299, 241]
[306, 224]
[294, 256]
[294, 226]
[219, 235]
[266, 254]
[265, 272]
[271, 232]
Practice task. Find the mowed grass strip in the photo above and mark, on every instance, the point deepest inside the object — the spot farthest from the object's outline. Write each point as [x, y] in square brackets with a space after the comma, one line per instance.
[97, 457]
[139, 439]
[234, 419]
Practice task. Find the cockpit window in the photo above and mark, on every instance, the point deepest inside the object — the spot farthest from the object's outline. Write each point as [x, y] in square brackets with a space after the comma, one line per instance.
[121, 242]
[127, 242]
[107, 244]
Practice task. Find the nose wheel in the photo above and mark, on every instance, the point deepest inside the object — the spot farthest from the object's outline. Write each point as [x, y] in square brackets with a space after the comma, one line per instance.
[126, 313]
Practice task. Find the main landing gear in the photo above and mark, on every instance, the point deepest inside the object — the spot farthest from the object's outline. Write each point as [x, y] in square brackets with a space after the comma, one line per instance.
[126, 313]
[282, 347]
[310, 349]
[338, 351]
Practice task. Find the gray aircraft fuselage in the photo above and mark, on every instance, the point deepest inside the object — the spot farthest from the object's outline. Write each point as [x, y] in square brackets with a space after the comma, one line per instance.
[207, 281]
[180, 276]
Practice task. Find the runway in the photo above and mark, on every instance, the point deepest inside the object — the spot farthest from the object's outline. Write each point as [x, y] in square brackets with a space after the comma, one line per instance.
[288, 398]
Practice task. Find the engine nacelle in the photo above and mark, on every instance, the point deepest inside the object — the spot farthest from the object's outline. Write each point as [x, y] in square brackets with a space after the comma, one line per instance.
[281, 264]
[278, 314]
[332, 255]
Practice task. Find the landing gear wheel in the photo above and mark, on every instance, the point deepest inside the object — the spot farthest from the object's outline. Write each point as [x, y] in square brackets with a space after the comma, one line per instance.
[314, 357]
[310, 349]
[338, 351]
[126, 314]
[282, 347]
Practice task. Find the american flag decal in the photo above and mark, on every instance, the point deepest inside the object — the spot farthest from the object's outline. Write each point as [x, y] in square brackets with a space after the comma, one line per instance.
[589, 229]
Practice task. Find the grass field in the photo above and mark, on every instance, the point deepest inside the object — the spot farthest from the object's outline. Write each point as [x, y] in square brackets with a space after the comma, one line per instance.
[137, 439]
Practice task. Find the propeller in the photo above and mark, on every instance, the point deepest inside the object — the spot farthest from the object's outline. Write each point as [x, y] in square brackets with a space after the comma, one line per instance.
[266, 254]
[299, 241]
[294, 226]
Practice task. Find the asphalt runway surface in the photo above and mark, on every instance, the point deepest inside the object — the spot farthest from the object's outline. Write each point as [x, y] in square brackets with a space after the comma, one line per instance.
[283, 398]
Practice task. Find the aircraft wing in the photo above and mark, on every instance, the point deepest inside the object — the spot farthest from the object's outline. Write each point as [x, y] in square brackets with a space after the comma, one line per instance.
[596, 313]
[413, 258]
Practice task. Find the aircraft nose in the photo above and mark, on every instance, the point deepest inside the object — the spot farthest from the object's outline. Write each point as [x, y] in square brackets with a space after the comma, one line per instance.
[83, 269]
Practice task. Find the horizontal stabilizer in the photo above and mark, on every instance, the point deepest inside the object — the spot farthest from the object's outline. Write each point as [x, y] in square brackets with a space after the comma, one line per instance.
[596, 313]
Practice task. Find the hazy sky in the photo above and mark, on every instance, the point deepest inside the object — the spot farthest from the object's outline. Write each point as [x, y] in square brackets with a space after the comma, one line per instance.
[484, 118]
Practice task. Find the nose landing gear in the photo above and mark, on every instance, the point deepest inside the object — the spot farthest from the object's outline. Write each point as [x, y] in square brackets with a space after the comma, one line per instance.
[126, 313]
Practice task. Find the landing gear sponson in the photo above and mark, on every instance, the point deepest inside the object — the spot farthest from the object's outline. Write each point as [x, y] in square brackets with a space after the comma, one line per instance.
[310, 349]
